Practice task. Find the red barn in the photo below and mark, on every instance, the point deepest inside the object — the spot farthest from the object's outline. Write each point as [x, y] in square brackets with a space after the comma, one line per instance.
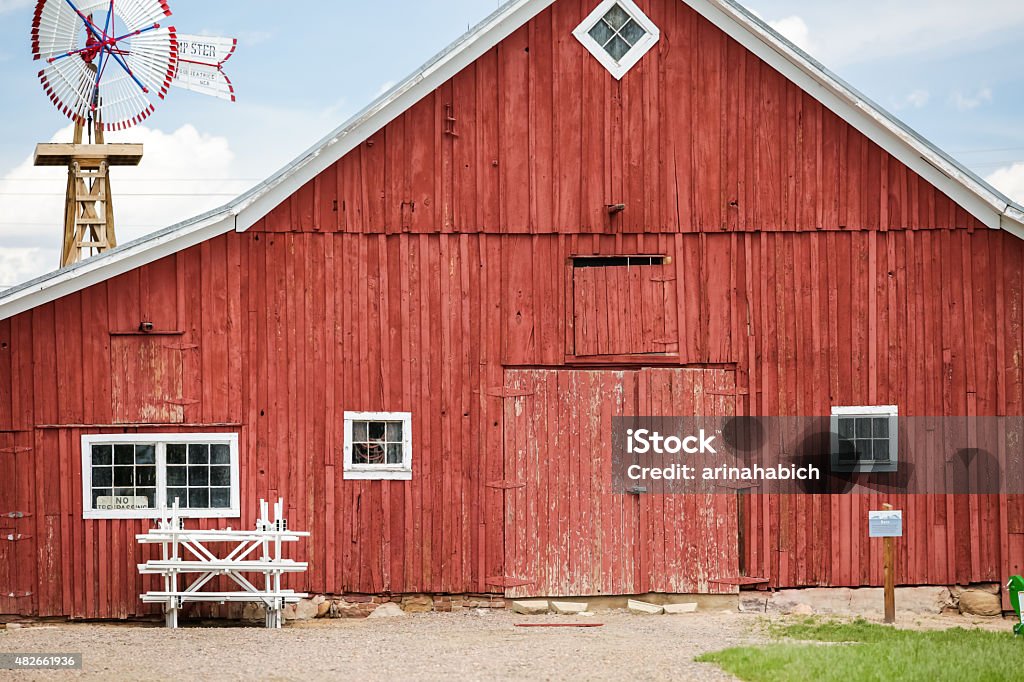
[417, 333]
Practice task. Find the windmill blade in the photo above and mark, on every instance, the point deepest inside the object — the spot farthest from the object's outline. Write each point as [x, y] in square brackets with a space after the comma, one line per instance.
[103, 69]
[205, 49]
[204, 79]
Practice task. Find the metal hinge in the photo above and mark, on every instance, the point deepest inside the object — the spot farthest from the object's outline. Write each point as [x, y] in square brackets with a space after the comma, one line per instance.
[506, 484]
[182, 401]
[15, 515]
[181, 346]
[506, 581]
[17, 595]
[14, 537]
[15, 450]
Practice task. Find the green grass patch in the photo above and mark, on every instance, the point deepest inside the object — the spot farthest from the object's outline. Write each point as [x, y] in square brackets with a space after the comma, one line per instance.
[866, 651]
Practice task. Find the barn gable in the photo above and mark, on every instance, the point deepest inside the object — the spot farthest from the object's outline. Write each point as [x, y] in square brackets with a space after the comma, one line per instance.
[904, 164]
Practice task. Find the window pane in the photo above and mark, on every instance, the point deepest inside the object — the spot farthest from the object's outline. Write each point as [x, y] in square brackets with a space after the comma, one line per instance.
[359, 453]
[177, 493]
[102, 477]
[375, 453]
[881, 427]
[220, 498]
[376, 430]
[863, 428]
[617, 48]
[198, 475]
[177, 476]
[124, 476]
[124, 492]
[616, 17]
[394, 432]
[846, 429]
[394, 453]
[100, 492]
[145, 454]
[198, 453]
[632, 32]
[176, 453]
[881, 450]
[601, 33]
[220, 475]
[847, 451]
[149, 494]
[124, 454]
[145, 476]
[220, 454]
[358, 432]
[102, 454]
[199, 498]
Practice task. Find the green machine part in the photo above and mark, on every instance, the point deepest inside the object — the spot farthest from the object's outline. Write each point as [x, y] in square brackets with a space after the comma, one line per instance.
[1016, 586]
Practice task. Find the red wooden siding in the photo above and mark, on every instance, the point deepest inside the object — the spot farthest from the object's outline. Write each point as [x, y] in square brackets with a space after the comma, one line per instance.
[700, 135]
[624, 310]
[566, 531]
[813, 266]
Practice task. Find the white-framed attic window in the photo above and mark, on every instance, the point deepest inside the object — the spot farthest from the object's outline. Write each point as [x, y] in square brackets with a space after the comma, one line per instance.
[378, 446]
[618, 34]
[864, 438]
[137, 475]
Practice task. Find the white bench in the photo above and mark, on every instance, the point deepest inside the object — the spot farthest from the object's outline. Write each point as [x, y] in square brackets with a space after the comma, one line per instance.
[191, 552]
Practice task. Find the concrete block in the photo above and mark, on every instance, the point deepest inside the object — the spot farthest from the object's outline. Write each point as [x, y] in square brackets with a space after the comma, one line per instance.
[680, 608]
[530, 607]
[643, 608]
[568, 607]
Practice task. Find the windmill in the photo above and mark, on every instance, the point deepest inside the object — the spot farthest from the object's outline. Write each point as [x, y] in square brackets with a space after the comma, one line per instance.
[104, 64]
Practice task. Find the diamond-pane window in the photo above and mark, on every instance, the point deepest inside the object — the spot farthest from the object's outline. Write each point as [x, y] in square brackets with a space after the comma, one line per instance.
[618, 34]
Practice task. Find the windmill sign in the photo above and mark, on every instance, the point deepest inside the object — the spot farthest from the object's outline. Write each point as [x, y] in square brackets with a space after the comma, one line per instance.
[104, 63]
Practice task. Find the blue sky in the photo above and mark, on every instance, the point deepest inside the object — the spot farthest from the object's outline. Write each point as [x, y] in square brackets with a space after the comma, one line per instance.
[952, 69]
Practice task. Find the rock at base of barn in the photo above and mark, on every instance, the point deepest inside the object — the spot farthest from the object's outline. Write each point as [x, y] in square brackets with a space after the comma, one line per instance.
[753, 604]
[980, 603]
[418, 603]
[388, 610]
[568, 608]
[341, 608]
[305, 609]
[680, 608]
[642, 608]
[531, 607]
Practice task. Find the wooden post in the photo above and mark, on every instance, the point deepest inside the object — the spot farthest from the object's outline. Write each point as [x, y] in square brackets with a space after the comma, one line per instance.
[889, 570]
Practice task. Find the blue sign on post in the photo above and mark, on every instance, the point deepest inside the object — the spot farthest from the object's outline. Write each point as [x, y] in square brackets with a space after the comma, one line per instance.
[885, 524]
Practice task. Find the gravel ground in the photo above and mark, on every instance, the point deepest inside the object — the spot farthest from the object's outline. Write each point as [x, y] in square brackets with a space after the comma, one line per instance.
[469, 645]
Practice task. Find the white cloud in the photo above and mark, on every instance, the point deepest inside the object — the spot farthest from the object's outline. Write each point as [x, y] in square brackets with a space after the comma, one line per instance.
[795, 29]
[964, 102]
[1009, 181]
[915, 100]
[182, 174]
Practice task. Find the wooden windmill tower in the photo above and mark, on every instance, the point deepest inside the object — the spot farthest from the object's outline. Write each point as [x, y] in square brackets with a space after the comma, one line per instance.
[104, 59]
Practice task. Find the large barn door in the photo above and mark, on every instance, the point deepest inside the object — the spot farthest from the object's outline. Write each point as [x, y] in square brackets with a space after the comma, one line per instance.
[17, 525]
[566, 532]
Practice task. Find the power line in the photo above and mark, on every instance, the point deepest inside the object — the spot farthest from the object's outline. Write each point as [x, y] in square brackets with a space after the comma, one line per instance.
[131, 194]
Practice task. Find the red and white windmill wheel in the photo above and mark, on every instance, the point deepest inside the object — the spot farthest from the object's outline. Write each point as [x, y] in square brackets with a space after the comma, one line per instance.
[104, 59]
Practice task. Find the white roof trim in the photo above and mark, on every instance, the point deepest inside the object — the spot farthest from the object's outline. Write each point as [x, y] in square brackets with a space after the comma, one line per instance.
[974, 194]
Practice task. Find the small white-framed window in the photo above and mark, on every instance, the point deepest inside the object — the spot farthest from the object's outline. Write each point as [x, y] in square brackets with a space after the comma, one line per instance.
[138, 475]
[618, 34]
[378, 446]
[864, 438]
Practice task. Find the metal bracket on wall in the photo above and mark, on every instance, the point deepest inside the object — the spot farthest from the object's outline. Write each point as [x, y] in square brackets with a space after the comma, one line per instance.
[15, 537]
[15, 515]
[16, 595]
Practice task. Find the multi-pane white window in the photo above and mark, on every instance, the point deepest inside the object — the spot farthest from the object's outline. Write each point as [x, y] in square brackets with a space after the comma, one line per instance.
[864, 438]
[378, 445]
[618, 34]
[137, 475]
